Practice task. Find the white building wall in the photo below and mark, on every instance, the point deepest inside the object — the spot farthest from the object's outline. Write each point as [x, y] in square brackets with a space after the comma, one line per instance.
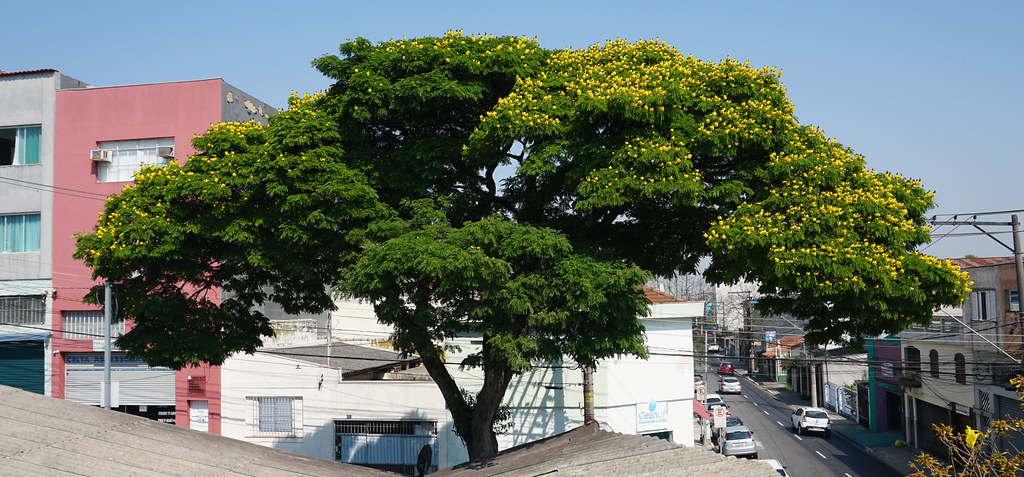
[267, 375]
[549, 399]
[355, 320]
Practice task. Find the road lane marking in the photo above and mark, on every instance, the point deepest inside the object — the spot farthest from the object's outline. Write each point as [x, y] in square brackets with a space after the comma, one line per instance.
[822, 455]
[847, 475]
[766, 413]
[780, 424]
[756, 404]
[800, 438]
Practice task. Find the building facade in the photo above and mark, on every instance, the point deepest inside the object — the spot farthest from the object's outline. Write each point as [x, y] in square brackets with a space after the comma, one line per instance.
[64, 147]
[27, 292]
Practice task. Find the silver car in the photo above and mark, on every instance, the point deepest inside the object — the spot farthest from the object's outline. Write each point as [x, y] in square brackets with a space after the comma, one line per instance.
[738, 441]
[730, 385]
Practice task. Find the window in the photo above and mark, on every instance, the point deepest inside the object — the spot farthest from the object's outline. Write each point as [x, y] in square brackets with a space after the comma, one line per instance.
[23, 310]
[19, 233]
[19, 146]
[961, 368]
[1012, 300]
[913, 359]
[128, 157]
[983, 305]
[88, 325]
[933, 363]
[275, 416]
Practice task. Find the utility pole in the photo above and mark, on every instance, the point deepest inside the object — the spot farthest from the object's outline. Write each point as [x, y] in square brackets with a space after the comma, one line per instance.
[814, 384]
[329, 338]
[106, 347]
[1018, 259]
[588, 394]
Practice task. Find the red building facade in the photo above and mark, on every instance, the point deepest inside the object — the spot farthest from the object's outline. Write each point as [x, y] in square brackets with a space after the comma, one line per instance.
[102, 136]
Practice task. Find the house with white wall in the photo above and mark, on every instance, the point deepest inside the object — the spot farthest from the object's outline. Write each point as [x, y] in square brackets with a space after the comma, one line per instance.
[631, 395]
[348, 403]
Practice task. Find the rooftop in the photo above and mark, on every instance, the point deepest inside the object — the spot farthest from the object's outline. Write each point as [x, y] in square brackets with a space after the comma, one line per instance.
[46, 436]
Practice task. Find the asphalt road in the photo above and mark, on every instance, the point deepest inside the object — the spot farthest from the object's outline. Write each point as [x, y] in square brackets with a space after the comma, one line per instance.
[808, 455]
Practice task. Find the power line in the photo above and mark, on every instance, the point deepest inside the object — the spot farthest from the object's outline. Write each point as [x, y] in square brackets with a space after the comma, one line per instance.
[80, 194]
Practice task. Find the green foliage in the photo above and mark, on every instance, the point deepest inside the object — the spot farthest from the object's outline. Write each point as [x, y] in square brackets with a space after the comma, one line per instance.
[261, 213]
[521, 287]
[622, 159]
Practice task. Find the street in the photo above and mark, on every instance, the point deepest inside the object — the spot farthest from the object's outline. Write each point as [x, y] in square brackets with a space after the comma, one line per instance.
[808, 455]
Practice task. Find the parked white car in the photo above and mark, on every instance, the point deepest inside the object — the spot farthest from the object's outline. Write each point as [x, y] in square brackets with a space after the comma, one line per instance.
[812, 419]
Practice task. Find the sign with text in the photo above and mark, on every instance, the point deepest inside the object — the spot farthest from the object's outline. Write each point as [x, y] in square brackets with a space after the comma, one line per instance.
[652, 416]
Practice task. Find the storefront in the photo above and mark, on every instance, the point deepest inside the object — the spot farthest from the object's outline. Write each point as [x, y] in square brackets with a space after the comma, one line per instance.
[136, 388]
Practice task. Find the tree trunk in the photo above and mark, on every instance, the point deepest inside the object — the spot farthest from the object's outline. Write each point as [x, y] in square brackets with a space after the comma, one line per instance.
[488, 401]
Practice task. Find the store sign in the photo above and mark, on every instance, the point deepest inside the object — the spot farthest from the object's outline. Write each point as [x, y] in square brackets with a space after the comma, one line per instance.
[652, 416]
[962, 410]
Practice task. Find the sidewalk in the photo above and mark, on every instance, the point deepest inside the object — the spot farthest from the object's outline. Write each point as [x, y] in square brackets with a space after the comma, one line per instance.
[878, 444]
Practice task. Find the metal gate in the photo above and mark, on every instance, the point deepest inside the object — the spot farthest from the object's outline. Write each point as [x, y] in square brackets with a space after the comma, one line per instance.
[392, 446]
[1010, 408]
[22, 365]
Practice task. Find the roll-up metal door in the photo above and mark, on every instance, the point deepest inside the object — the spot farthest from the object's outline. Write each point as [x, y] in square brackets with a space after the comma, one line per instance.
[137, 384]
[22, 366]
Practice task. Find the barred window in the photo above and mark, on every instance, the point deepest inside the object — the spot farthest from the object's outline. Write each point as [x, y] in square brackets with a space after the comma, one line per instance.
[275, 416]
[23, 310]
[88, 325]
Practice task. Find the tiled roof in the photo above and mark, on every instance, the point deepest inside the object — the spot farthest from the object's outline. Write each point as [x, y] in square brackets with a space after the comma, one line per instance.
[352, 359]
[981, 262]
[790, 341]
[46, 436]
[587, 451]
[658, 296]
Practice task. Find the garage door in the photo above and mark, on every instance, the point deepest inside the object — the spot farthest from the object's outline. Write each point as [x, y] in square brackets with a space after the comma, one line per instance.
[135, 382]
[22, 363]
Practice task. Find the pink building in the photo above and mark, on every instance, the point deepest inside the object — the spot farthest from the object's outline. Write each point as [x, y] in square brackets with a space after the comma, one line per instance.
[101, 137]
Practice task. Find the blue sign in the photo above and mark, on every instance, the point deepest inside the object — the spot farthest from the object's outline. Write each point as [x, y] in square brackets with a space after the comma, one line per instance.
[769, 336]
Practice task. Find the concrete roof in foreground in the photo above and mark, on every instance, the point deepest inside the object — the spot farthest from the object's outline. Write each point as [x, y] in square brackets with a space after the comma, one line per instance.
[40, 435]
[587, 451]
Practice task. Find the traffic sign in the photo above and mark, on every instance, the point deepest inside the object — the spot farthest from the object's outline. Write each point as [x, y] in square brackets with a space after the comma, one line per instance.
[719, 416]
[701, 392]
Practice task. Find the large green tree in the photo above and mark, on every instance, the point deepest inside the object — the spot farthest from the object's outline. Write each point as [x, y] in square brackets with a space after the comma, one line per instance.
[641, 154]
[520, 290]
[627, 157]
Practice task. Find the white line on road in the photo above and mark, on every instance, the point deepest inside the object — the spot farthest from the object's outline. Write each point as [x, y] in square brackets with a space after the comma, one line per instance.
[822, 455]
[847, 475]
[798, 438]
[756, 404]
[765, 412]
[777, 422]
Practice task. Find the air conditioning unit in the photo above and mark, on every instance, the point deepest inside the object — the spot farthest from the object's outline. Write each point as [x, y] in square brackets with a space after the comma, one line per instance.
[100, 155]
[165, 151]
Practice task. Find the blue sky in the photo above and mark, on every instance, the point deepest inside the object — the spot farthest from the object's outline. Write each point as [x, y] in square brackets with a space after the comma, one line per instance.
[926, 89]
